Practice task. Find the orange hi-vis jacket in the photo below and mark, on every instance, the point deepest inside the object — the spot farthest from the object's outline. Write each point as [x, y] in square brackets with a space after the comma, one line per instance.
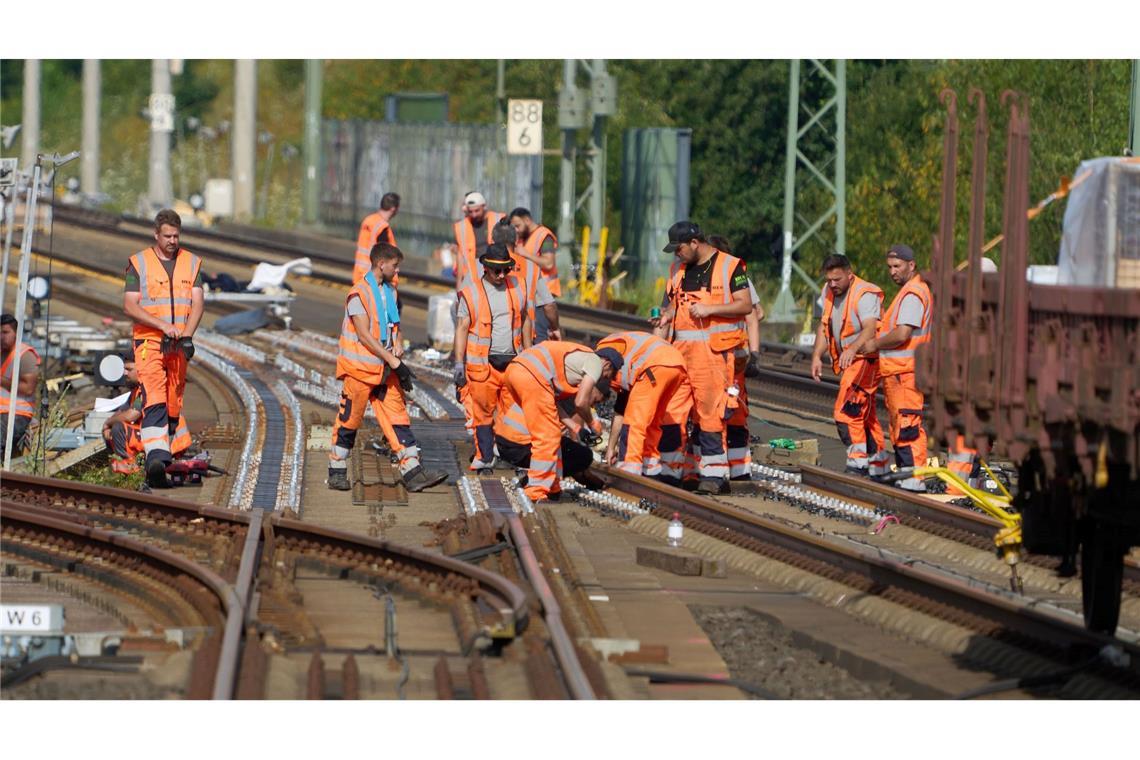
[852, 325]
[900, 359]
[533, 245]
[528, 272]
[510, 423]
[371, 229]
[721, 333]
[479, 334]
[354, 358]
[465, 260]
[25, 405]
[162, 297]
[547, 363]
[641, 351]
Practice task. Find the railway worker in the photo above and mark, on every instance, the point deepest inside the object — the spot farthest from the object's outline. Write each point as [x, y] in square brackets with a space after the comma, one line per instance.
[513, 442]
[851, 309]
[163, 295]
[375, 228]
[472, 235]
[538, 292]
[708, 301]
[370, 367]
[121, 431]
[24, 362]
[904, 327]
[493, 327]
[652, 407]
[538, 245]
[536, 379]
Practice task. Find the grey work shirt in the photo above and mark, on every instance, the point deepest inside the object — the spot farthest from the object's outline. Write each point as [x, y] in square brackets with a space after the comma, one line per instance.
[581, 364]
[27, 365]
[867, 308]
[499, 301]
[910, 311]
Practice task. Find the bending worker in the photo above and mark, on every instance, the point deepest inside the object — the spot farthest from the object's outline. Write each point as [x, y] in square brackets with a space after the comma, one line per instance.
[708, 301]
[850, 317]
[163, 295]
[652, 407]
[513, 441]
[23, 362]
[472, 235]
[493, 327]
[536, 379]
[375, 228]
[537, 244]
[542, 305]
[905, 327]
[370, 367]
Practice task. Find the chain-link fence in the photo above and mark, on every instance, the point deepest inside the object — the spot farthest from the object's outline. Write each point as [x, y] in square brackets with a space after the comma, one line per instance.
[431, 166]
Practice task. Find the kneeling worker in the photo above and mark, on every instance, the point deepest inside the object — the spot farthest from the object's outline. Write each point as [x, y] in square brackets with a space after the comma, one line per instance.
[536, 380]
[121, 431]
[370, 367]
[652, 407]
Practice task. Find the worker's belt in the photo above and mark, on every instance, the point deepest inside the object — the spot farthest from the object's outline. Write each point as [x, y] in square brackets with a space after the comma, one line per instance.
[500, 361]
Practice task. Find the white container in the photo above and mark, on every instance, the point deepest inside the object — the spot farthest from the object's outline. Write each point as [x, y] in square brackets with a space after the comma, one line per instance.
[220, 197]
[441, 320]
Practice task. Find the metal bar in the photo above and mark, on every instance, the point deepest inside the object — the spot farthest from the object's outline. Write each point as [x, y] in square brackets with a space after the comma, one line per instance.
[310, 184]
[816, 116]
[841, 156]
[21, 305]
[818, 174]
[225, 677]
[92, 90]
[973, 338]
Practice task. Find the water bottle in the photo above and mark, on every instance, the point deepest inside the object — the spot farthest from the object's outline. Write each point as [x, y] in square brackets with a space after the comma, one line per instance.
[676, 530]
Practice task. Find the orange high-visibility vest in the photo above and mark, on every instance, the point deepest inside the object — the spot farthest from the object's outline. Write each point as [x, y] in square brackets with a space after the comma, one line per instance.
[547, 362]
[24, 404]
[479, 333]
[852, 324]
[354, 358]
[900, 359]
[371, 229]
[160, 297]
[528, 272]
[533, 245]
[721, 333]
[640, 350]
[466, 260]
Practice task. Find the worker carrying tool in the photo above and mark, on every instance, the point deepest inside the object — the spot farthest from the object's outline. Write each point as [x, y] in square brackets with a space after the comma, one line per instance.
[375, 228]
[708, 301]
[904, 327]
[163, 296]
[122, 430]
[851, 308]
[493, 328]
[538, 245]
[653, 404]
[542, 305]
[536, 379]
[472, 235]
[20, 362]
[370, 367]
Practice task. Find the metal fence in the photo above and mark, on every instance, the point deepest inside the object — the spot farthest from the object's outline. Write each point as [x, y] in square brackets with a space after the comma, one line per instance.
[431, 166]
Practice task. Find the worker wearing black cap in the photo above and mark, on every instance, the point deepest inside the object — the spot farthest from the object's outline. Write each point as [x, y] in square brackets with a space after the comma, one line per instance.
[905, 327]
[493, 327]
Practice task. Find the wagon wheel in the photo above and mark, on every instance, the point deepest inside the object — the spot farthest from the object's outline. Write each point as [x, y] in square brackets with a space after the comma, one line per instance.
[1102, 575]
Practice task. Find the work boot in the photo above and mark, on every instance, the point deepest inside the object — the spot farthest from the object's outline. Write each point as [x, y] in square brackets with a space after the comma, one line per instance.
[417, 478]
[668, 480]
[338, 480]
[741, 478]
[485, 472]
[860, 472]
[156, 474]
[711, 486]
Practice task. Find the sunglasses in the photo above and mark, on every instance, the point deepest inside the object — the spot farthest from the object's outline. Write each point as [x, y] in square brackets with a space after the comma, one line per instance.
[499, 270]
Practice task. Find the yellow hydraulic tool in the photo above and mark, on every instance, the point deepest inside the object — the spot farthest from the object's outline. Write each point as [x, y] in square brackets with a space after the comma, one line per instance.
[1008, 539]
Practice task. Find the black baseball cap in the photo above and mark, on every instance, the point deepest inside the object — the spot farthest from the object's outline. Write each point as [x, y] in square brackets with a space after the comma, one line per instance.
[900, 251]
[682, 232]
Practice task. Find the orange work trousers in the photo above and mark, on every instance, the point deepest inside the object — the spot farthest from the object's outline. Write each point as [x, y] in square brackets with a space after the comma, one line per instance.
[653, 435]
[485, 396]
[711, 373]
[857, 418]
[904, 404]
[163, 380]
[538, 404]
[390, 408]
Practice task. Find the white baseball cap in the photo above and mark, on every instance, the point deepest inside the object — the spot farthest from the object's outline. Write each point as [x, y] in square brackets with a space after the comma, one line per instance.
[474, 199]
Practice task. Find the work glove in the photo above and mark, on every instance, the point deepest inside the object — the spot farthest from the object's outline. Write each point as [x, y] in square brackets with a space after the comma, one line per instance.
[187, 347]
[587, 436]
[752, 369]
[459, 374]
[404, 373]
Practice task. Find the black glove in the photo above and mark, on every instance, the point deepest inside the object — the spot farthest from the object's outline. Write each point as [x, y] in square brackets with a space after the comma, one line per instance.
[460, 375]
[753, 367]
[404, 373]
[187, 347]
[586, 436]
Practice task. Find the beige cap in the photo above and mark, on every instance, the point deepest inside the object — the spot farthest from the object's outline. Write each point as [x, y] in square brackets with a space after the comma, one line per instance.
[474, 199]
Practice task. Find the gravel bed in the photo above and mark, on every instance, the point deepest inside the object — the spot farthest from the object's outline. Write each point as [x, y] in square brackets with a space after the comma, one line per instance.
[88, 686]
[762, 654]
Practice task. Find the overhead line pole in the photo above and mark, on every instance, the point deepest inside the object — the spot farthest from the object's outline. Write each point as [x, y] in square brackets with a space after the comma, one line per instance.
[92, 97]
[310, 185]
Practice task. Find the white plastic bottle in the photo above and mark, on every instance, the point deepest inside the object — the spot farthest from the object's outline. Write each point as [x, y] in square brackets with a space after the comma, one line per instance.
[676, 530]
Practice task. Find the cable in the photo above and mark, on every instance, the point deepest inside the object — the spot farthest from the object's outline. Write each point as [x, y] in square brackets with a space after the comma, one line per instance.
[661, 676]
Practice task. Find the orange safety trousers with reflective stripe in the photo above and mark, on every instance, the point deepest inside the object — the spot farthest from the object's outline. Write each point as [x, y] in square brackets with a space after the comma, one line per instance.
[163, 381]
[904, 404]
[857, 417]
[390, 407]
[536, 399]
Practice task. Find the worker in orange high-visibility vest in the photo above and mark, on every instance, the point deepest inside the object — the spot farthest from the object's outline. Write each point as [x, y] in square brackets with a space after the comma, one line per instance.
[536, 379]
[493, 327]
[371, 369]
[653, 404]
[163, 296]
[851, 309]
[20, 361]
[513, 442]
[121, 431]
[542, 303]
[708, 301]
[538, 245]
[375, 228]
[904, 327]
[472, 235]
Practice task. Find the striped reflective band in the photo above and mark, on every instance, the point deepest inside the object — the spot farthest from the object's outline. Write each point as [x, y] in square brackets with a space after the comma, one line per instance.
[362, 358]
[506, 420]
[701, 336]
[905, 353]
[631, 369]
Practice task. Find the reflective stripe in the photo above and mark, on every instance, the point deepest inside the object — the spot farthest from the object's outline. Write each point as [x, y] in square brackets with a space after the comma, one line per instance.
[362, 358]
[896, 353]
[510, 422]
[633, 467]
[473, 360]
[845, 342]
[723, 328]
[857, 448]
[479, 341]
[340, 453]
[690, 335]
